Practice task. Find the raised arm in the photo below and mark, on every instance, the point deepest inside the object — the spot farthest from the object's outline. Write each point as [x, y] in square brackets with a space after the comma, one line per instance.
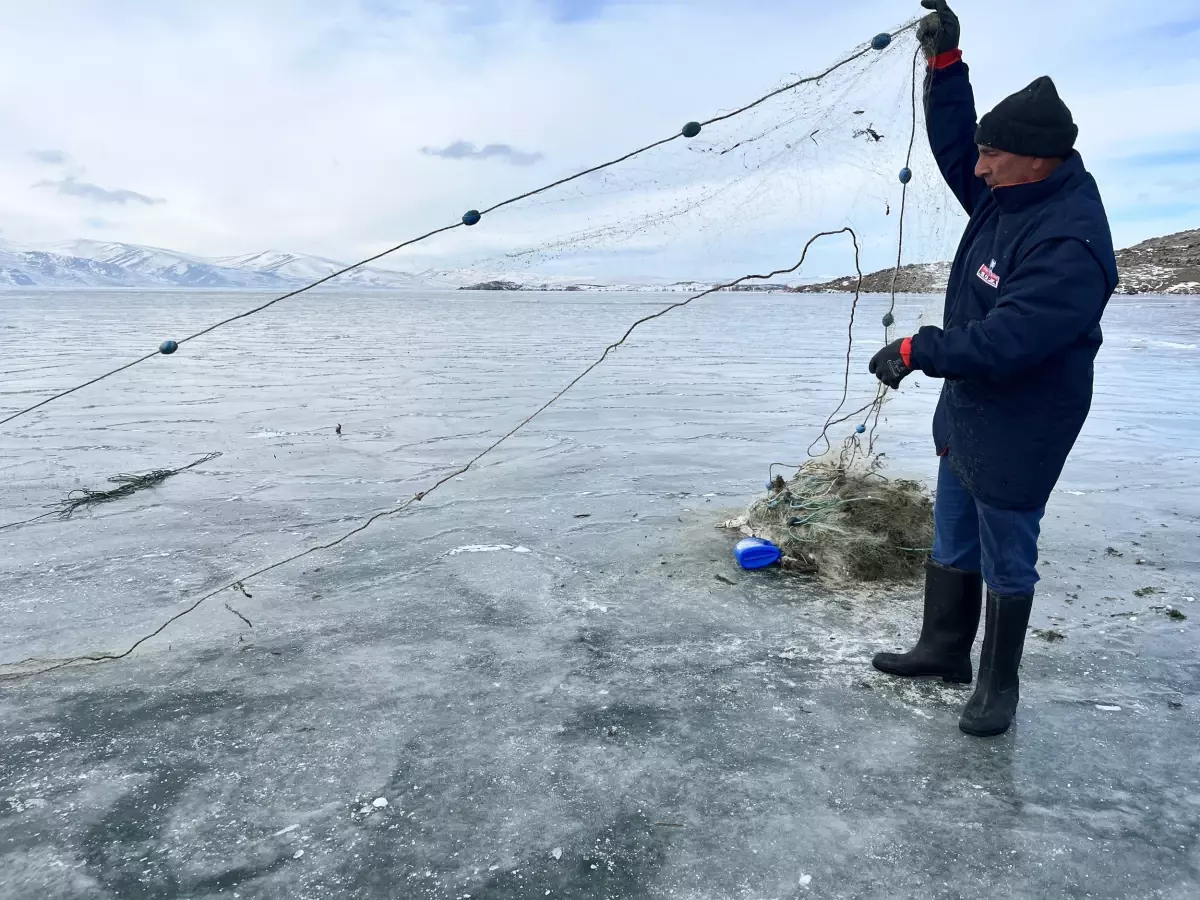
[950, 104]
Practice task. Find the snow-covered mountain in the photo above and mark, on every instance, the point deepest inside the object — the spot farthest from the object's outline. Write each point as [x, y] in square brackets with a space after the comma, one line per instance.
[165, 267]
[307, 269]
[1164, 265]
[36, 268]
[88, 263]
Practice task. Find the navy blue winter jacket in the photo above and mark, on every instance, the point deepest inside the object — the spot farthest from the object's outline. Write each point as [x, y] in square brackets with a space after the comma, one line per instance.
[1021, 329]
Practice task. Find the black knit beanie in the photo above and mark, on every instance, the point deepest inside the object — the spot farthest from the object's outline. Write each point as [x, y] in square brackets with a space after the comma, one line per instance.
[1032, 122]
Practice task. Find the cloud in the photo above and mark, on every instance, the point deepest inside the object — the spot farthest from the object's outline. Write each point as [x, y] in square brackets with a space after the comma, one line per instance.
[72, 187]
[50, 157]
[467, 150]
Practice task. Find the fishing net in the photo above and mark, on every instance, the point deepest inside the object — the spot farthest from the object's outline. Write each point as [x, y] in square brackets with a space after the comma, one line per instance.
[740, 197]
[842, 157]
[848, 525]
[825, 176]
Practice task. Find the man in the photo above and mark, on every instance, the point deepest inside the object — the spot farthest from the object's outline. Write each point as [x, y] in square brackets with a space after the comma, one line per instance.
[1021, 329]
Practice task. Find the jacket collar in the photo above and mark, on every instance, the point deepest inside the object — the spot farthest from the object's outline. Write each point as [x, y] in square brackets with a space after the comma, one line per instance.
[1018, 197]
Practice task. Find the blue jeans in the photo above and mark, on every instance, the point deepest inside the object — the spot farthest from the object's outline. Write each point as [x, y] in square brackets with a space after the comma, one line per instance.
[974, 537]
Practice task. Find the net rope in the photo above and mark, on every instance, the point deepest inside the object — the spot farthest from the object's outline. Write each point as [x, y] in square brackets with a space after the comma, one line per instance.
[852, 449]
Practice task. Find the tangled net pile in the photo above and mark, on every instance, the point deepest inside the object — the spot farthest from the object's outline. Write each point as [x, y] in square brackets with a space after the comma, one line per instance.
[847, 524]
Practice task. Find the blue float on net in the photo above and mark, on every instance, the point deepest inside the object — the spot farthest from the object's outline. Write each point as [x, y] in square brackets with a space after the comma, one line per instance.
[881, 41]
[905, 175]
[691, 129]
[471, 217]
[861, 429]
[166, 348]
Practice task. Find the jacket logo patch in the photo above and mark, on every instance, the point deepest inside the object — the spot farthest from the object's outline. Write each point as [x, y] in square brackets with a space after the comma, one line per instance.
[987, 276]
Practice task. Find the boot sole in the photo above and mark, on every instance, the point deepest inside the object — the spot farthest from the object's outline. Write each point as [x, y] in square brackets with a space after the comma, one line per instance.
[982, 733]
[949, 679]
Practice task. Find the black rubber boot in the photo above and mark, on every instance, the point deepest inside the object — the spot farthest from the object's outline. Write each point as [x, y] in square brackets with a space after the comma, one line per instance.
[990, 711]
[952, 602]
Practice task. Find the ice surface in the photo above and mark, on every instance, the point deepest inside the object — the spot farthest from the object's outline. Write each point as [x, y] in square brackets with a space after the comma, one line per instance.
[675, 735]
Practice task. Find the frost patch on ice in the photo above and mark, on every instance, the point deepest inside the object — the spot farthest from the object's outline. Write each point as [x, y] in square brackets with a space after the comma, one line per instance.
[1103, 708]
[488, 548]
[556, 852]
[805, 880]
[19, 805]
[1166, 345]
[380, 802]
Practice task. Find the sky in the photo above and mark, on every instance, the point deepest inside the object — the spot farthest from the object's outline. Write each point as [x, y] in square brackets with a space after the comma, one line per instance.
[340, 127]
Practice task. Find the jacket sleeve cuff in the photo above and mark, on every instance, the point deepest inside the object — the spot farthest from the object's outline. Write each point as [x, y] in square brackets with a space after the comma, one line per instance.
[945, 60]
[906, 352]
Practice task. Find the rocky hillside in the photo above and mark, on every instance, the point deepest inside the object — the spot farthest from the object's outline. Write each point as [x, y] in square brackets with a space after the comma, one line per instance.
[1165, 265]
[921, 278]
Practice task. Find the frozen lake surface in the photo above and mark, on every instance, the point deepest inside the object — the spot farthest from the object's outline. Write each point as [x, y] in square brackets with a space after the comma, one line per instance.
[537, 667]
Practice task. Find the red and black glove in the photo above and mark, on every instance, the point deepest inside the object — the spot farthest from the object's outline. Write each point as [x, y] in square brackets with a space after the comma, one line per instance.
[939, 32]
[893, 363]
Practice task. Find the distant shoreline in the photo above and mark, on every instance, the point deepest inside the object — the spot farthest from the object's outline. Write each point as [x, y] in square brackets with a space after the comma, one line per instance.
[9, 290]
[1165, 265]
